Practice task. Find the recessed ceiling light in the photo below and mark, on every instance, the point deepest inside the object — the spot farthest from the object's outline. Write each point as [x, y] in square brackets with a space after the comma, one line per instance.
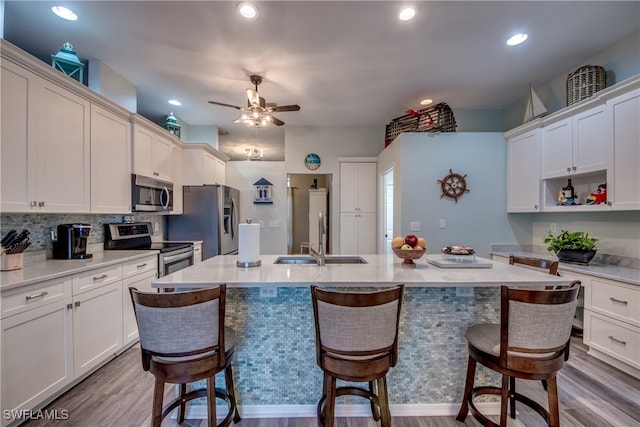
[406, 13]
[64, 13]
[426, 101]
[248, 10]
[517, 39]
[175, 102]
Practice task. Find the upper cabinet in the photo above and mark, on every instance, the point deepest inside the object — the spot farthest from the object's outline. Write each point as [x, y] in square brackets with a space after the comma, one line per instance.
[176, 170]
[593, 142]
[357, 187]
[152, 148]
[203, 165]
[45, 144]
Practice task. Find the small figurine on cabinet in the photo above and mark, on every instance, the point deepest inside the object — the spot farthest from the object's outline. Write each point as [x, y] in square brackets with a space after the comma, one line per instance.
[599, 195]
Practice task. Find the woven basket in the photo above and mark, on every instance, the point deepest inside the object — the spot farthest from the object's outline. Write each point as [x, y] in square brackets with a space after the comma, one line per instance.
[584, 82]
[438, 118]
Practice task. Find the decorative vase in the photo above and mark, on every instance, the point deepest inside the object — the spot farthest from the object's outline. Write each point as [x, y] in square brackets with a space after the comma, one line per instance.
[575, 256]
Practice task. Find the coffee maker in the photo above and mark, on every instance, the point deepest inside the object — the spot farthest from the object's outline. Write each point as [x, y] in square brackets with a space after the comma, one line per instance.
[71, 242]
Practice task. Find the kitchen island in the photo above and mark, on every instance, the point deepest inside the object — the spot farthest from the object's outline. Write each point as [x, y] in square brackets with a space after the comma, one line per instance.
[270, 309]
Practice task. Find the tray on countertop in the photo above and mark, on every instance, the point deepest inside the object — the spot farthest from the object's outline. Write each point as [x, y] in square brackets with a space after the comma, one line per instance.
[462, 261]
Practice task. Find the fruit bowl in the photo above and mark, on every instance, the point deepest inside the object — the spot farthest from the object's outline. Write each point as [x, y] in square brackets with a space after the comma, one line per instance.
[409, 255]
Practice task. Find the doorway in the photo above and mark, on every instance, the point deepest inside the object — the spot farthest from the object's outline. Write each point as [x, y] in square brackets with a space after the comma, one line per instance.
[299, 232]
[387, 209]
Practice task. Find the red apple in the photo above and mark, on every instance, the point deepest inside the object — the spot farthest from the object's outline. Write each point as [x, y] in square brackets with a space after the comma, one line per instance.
[411, 240]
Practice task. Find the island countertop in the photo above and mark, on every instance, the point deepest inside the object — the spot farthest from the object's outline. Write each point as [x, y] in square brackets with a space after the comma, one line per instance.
[380, 270]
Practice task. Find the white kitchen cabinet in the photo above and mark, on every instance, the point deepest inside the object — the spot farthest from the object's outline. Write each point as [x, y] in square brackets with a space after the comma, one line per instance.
[34, 319]
[623, 191]
[523, 172]
[137, 274]
[46, 168]
[357, 233]
[110, 161]
[203, 165]
[152, 149]
[178, 180]
[578, 144]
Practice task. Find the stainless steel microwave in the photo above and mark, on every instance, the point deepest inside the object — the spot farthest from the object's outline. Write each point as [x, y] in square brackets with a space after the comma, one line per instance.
[150, 194]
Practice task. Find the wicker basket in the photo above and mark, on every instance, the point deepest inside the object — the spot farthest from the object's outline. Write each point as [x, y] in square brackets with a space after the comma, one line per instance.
[438, 118]
[584, 82]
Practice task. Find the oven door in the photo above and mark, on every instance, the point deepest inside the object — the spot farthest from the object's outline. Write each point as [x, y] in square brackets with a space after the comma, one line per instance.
[170, 262]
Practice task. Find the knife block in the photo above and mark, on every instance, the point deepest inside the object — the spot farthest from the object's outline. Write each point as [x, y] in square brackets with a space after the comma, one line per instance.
[11, 261]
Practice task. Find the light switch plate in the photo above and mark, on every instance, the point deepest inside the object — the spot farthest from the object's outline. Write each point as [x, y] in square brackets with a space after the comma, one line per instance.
[415, 226]
[443, 223]
[270, 292]
[465, 292]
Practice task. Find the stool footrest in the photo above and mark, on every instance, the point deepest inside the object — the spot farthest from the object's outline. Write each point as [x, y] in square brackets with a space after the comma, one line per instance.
[479, 391]
[198, 393]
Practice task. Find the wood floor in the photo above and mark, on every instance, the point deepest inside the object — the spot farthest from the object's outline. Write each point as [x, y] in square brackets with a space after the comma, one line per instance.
[592, 394]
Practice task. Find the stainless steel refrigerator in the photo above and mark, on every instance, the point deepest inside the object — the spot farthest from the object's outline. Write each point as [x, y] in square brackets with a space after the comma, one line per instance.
[210, 214]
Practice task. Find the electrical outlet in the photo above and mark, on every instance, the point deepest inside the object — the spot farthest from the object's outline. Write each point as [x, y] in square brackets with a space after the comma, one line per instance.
[415, 226]
[54, 235]
[465, 292]
[261, 223]
[553, 227]
[269, 292]
[443, 223]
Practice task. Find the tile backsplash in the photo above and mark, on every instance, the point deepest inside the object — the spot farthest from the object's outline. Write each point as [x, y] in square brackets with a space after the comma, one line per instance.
[40, 225]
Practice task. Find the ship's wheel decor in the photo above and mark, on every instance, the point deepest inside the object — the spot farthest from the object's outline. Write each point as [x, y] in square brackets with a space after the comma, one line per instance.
[453, 185]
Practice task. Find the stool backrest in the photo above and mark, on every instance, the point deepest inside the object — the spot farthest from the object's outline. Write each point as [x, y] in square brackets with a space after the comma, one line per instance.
[537, 322]
[357, 323]
[539, 263]
[181, 323]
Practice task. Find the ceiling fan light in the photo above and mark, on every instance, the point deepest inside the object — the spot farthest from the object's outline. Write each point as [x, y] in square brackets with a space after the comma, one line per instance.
[406, 13]
[248, 10]
[516, 39]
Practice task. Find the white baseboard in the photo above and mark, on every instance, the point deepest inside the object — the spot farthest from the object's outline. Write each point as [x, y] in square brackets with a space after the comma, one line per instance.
[397, 410]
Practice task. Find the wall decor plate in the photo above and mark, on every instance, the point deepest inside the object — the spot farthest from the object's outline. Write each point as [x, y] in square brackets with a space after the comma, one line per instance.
[312, 161]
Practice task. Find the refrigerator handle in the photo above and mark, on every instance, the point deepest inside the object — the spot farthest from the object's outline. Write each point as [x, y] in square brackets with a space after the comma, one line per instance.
[234, 219]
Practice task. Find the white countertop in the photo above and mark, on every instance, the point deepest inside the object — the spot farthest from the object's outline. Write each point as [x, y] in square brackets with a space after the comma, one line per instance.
[54, 268]
[381, 270]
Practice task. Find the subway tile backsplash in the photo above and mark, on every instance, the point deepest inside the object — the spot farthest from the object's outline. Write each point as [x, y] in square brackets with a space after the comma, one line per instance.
[40, 225]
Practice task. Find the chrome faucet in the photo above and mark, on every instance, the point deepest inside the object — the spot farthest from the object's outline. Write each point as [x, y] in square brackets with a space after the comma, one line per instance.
[319, 254]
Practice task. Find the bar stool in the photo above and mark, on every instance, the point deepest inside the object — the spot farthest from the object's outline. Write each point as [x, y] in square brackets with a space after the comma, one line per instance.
[357, 341]
[183, 339]
[530, 342]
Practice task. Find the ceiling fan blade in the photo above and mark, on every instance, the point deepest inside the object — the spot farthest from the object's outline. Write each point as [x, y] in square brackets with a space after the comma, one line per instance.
[254, 98]
[281, 108]
[225, 105]
[276, 121]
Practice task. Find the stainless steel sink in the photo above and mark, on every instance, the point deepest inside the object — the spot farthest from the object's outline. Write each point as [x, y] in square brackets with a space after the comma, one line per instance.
[302, 259]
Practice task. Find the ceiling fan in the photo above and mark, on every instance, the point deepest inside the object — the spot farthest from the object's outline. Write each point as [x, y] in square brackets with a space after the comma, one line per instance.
[257, 112]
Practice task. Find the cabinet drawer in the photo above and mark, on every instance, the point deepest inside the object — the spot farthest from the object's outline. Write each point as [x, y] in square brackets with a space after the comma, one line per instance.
[617, 300]
[139, 266]
[83, 282]
[28, 297]
[617, 339]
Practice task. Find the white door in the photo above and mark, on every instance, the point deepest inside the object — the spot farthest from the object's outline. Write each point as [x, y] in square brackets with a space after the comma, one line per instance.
[387, 210]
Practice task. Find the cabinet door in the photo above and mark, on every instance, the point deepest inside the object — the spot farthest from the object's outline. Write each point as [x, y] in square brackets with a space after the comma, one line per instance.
[624, 191]
[162, 163]
[367, 187]
[37, 355]
[110, 162]
[367, 233]
[64, 177]
[97, 326]
[141, 282]
[220, 172]
[592, 145]
[176, 173]
[523, 173]
[349, 187]
[143, 140]
[209, 171]
[557, 148]
[348, 233]
[18, 153]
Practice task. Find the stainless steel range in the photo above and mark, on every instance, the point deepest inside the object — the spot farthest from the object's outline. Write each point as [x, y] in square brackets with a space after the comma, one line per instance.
[173, 256]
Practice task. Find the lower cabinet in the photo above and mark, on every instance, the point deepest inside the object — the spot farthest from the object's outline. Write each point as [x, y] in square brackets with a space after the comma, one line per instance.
[358, 233]
[142, 272]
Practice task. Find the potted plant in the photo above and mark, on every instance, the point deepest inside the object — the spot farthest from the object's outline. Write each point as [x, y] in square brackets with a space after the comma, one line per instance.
[574, 246]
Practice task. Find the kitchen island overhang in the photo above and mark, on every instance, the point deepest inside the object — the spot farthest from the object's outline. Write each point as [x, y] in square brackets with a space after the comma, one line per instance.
[276, 342]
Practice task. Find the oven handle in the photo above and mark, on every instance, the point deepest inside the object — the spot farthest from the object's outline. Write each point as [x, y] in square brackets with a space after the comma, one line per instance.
[184, 255]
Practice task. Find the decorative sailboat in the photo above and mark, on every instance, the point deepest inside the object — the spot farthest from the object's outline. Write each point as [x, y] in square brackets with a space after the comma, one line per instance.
[535, 107]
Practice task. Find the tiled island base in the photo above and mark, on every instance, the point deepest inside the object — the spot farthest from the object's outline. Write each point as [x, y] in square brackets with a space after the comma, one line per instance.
[275, 367]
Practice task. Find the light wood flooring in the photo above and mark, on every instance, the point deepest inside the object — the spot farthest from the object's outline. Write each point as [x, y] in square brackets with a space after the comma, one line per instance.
[592, 394]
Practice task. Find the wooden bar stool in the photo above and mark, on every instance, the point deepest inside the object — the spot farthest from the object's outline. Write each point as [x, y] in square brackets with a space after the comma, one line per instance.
[531, 342]
[183, 339]
[357, 341]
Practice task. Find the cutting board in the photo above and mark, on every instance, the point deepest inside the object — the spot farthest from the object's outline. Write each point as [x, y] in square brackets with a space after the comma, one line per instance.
[448, 261]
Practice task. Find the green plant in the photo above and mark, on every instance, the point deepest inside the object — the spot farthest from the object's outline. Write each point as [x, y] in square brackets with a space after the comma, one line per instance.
[576, 240]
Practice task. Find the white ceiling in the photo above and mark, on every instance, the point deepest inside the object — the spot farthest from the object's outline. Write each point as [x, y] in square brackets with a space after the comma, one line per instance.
[343, 62]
